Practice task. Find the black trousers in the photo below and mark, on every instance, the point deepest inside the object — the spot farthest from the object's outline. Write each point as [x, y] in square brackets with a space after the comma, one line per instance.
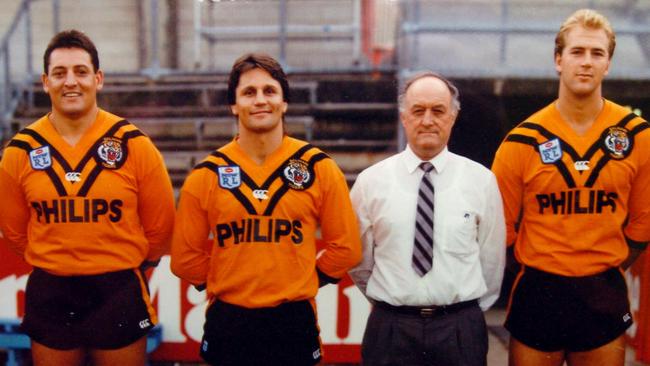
[456, 338]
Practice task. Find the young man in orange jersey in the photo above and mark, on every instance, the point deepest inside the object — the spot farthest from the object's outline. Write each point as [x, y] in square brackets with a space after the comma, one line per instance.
[263, 198]
[575, 179]
[86, 200]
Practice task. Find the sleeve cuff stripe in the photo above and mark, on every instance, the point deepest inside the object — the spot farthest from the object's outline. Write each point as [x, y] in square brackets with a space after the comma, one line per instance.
[636, 244]
[325, 278]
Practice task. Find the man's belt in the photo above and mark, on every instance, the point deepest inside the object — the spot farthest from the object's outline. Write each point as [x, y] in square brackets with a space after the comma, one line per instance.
[426, 311]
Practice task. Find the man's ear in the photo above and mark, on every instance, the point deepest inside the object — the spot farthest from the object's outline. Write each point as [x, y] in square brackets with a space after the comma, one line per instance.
[99, 77]
[45, 81]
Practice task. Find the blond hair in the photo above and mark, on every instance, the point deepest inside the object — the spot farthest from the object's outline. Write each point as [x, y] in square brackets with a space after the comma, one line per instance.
[587, 18]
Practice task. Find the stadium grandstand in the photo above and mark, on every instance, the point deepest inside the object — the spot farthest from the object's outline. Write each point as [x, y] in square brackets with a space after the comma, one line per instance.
[166, 63]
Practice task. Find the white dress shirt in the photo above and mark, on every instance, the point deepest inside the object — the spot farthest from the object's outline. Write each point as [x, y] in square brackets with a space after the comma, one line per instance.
[469, 232]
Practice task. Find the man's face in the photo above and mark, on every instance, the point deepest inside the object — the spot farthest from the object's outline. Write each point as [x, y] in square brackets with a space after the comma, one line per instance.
[72, 83]
[428, 116]
[259, 102]
[584, 61]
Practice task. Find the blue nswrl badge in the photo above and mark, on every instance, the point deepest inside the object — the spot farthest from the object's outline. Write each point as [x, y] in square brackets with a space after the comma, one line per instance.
[550, 151]
[229, 177]
[40, 158]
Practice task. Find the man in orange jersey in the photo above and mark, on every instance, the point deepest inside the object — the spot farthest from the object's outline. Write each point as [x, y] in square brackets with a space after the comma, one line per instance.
[263, 197]
[575, 179]
[87, 201]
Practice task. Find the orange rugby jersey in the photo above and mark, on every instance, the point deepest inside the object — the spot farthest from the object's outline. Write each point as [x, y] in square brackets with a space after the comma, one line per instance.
[263, 220]
[103, 205]
[575, 198]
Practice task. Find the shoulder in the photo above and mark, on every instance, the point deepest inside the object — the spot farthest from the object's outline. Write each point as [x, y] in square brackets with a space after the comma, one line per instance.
[378, 171]
[470, 167]
[304, 150]
[27, 139]
[624, 122]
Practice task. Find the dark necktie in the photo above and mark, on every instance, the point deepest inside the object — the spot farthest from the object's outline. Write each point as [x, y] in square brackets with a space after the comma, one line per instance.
[423, 244]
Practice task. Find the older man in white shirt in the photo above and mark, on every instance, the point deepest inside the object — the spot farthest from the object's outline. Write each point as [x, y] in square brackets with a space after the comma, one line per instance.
[433, 234]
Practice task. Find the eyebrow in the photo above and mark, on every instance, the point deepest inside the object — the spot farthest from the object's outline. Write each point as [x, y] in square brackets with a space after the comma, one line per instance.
[428, 106]
[58, 67]
[262, 87]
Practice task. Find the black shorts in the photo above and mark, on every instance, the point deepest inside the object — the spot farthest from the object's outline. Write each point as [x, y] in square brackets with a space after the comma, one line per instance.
[104, 311]
[551, 313]
[282, 335]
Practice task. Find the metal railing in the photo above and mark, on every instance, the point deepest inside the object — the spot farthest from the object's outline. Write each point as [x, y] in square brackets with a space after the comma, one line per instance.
[451, 44]
[16, 74]
[281, 34]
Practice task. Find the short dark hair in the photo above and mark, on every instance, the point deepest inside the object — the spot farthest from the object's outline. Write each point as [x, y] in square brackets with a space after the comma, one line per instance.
[71, 38]
[252, 61]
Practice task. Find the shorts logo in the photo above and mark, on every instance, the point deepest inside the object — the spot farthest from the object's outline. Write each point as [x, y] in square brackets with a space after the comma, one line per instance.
[144, 323]
[204, 346]
[550, 151]
[316, 354]
[617, 142]
[581, 165]
[110, 152]
[297, 174]
[261, 194]
[73, 177]
[627, 317]
[40, 158]
[229, 177]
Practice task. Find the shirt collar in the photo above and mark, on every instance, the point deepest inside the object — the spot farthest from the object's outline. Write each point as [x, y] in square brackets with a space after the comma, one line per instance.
[412, 161]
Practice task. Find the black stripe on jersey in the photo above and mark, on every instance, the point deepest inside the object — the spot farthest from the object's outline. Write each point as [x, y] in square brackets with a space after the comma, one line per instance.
[244, 177]
[54, 152]
[316, 158]
[640, 127]
[132, 134]
[119, 124]
[24, 145]
[606, 158]
[58, 185]
[550, 136]
[598, 144]
[91, 152]
[568, 178]
[522, 139]
[300, 152]
[275, 199]
[56, 181]
[235, 192]
[596, 171]
[94, 173]
[205, 164]
[561, 167]
[88, 182]
[278, 172]
[626, 119]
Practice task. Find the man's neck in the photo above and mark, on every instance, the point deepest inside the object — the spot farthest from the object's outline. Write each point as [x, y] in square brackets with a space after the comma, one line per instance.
[258, 146]
[72, 129]
[580, 112]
